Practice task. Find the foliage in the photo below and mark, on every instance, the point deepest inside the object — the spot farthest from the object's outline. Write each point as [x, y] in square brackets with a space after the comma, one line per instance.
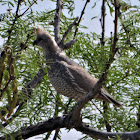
[21, 61]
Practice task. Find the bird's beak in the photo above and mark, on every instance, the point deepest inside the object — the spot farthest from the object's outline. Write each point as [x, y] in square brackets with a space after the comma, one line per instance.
[35, 42]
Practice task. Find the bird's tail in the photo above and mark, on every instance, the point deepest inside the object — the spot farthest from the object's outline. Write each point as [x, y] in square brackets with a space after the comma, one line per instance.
[108, 98]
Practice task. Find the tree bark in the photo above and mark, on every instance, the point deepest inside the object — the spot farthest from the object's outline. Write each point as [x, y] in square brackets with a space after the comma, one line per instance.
[64, 122]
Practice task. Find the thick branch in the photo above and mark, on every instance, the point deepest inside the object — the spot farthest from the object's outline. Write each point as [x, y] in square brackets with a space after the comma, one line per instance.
[114, 48]
[37, 129]
[61, 122]
[103, 9]
[96, 134]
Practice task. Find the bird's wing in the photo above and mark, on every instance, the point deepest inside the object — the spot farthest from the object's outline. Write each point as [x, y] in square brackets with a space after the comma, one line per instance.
[69, 78]
[82, 77]
[86, 82]
[77, 76]
[83, 82]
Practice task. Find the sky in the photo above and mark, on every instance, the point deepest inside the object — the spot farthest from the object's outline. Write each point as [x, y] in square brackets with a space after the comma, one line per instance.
[93, 26]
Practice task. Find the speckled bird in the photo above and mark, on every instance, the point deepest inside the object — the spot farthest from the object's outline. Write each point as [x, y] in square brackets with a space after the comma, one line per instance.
[67, 77]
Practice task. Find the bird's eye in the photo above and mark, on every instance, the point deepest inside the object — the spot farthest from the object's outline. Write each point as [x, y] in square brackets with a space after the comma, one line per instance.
[39, 39]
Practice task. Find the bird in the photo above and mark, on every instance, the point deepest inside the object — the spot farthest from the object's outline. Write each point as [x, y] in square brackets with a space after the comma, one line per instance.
[66, 76]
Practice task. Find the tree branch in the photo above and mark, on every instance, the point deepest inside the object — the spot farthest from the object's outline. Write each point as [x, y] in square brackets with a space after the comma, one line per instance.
[75, 115]
[57, 21]
[61, 122]
[82, 13]
[96, 134]
[14, 21]
[66, 33]
[138, 116]
[107, 125]
[115, 28]
[68, 44]
[102, 40]
[28, 8]
[103, 22]
[56, 133]
[37, 129]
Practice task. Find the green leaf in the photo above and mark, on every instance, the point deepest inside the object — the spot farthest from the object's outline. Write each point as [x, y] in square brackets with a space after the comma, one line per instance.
[94, 5]
[93, 17]
[110, 8]
[11, 3]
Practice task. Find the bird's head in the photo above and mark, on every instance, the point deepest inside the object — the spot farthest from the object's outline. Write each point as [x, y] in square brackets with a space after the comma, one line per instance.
[45, 40]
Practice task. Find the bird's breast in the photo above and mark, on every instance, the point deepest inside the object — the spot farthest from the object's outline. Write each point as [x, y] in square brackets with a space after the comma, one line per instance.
[56, 77]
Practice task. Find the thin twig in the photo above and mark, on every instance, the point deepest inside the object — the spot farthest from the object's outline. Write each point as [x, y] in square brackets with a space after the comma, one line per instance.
[27, 8]
[68, 30]
[67, 106]
[82, 13]
[100, 112]
[47, 136]
[108, 126]
[56, 133]
[128, 41]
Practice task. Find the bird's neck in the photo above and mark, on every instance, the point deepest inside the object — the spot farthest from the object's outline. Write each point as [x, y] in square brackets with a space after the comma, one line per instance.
[52, 53]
